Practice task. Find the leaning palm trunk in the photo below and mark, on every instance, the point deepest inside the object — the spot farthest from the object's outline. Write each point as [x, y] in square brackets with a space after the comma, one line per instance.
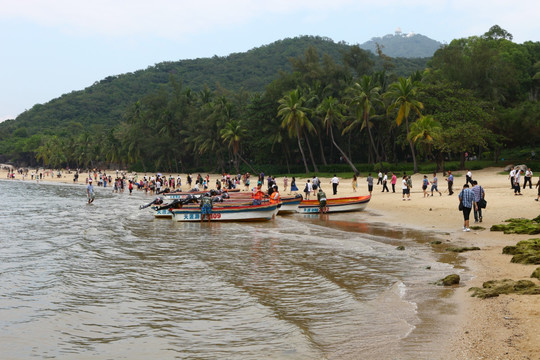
[248, 164]
[301, 149]
[415, 166]
[322, 150]
[343, 153]
[311, 156]
[377, 157]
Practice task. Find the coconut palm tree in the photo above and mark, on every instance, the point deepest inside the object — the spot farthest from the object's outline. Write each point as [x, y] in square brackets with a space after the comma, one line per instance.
[403, 96]
[365, 96]
[232, 134]
[332, 115]
[294, 118]
[424, 132]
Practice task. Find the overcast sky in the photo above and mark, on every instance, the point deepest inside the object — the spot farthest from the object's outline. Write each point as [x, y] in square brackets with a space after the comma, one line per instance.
[52, 47]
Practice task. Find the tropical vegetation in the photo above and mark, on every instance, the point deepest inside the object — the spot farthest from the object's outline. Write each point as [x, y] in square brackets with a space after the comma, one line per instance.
[334, 106]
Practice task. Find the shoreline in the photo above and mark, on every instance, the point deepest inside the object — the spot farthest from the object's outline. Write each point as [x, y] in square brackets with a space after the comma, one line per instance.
[507, 326]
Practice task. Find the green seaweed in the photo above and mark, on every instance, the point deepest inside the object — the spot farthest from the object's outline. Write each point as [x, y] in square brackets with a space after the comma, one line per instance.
[536, 273]
[495, 288]
[449, 280]
[436, 242]
[476, 227]
[524, 252]
[401, 247]
[519, 226]
[462, 249]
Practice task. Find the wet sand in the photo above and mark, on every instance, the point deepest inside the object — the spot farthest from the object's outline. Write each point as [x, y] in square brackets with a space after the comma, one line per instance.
[505, 327]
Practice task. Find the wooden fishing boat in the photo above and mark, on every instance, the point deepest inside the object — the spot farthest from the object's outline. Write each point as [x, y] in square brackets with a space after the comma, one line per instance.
[289, 204]
[183, 194]
[228, 212]
[356, 203]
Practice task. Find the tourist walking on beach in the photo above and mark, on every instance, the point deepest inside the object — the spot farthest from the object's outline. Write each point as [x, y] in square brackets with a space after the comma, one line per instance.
[307, 189]
[405, 188]
[379, 180]
[528, 178]
[434, 185]
[369, 180]
[90, 191]
[385, 182]
[335, 183]
[285, 184]
[425, 183]
[511, 175]
[393, 181]
[479, 195]
[517, 178]
[315, 183]
[468, 177]
[450, 181]
[466, 199]
[293, 184]
[354, 182]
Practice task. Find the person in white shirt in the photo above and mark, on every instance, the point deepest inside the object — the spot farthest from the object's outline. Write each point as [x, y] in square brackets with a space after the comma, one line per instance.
[405, 188]
[528, 178]
[511, 177]
[385, 182]
[335, 183]
[517, 178]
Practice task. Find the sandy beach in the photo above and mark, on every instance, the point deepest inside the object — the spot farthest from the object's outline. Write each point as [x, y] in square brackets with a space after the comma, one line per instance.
[504, 327]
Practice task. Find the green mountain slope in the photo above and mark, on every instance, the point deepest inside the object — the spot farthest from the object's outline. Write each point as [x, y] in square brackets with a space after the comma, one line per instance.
[105, 101]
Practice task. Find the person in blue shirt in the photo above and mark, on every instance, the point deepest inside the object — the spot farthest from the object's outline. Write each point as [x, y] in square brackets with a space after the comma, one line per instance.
[90, 192]
[466, 197]
[450, 182]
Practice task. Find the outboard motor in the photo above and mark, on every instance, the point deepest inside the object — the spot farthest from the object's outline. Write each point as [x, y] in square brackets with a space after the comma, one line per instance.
[157, 201]
[225, 196]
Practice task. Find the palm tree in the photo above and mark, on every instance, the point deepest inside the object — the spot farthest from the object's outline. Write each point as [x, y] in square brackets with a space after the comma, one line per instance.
[232, 133]
[424, 132]
[294, 118]
[332, 112]
[365, 96]
[403, 95]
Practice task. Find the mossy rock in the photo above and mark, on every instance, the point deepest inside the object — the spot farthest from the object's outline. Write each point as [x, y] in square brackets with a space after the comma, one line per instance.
[450, 280]
[400, 247]
[527, 259]
[495, 288]
[436, 242]
[462, 249]
[510, 250]
[536, 273]
[478, 228]
[525, 251]
[519, 226]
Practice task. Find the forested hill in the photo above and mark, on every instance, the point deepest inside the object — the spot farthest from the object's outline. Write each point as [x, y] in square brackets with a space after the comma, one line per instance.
[105, 101]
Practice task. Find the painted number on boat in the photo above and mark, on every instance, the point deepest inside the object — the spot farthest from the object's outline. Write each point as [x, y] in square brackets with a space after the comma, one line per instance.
[314, 210]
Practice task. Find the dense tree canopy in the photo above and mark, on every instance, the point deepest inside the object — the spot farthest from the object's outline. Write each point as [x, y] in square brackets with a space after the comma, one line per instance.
[330, 104]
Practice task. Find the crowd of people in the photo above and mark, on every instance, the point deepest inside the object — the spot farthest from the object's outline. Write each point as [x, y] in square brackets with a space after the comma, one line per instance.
[471, 197]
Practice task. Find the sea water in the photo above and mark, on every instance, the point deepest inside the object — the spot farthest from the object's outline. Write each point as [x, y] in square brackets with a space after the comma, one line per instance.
[109, 281]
